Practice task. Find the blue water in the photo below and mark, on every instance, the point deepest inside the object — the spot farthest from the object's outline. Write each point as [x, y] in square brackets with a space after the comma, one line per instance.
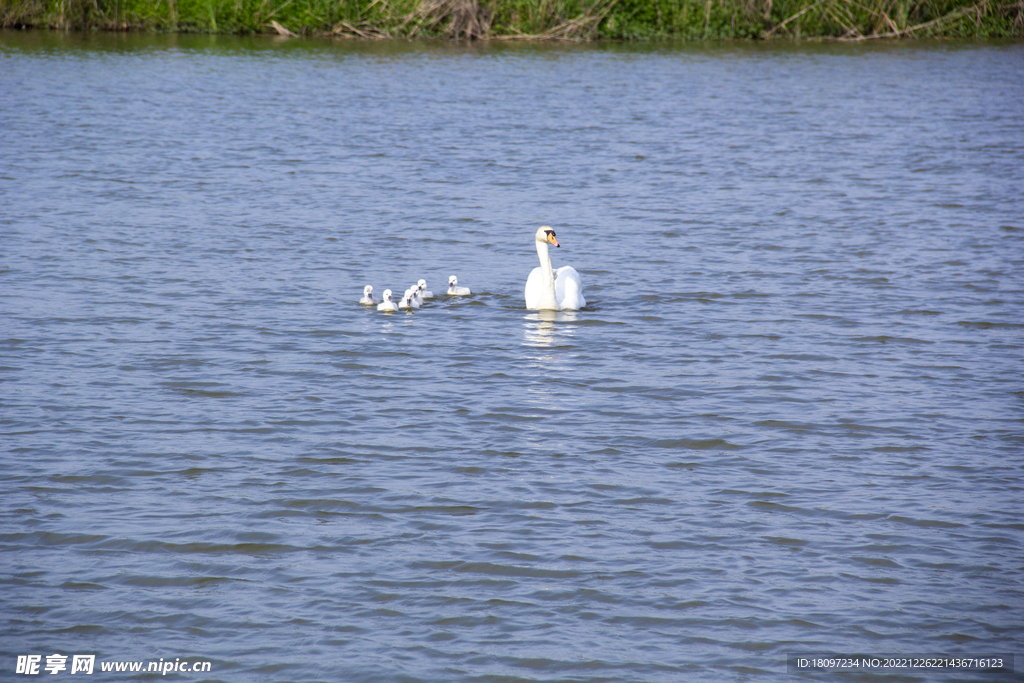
[788, 421]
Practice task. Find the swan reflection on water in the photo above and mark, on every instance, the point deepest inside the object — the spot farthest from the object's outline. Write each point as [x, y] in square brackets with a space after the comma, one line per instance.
[549, 335]
[541, 329]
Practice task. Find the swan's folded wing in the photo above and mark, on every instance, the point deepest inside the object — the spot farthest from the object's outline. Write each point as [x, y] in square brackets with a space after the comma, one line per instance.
[533, 289]
[569, 288]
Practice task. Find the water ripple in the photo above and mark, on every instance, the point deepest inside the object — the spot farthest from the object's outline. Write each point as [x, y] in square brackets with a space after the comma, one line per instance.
[788, 420]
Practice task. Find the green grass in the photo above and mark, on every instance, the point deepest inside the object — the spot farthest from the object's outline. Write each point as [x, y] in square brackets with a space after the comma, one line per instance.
[535, 19]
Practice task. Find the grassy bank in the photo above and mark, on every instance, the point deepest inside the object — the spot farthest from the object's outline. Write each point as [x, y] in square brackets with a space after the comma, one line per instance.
[535, 19]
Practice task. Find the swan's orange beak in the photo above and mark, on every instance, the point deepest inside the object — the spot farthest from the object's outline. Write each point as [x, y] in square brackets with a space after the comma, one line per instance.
[551, 238]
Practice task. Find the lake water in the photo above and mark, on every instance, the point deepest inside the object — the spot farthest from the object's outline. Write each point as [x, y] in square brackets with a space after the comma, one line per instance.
[790, 419]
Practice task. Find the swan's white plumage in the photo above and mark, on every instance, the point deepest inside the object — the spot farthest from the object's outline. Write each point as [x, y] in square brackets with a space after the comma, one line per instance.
[368, 298]
[548, 289]
[424, 294]
[388, 306]
[455, 290]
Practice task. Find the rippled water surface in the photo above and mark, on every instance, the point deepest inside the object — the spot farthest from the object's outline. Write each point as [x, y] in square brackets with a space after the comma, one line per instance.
[789, 419]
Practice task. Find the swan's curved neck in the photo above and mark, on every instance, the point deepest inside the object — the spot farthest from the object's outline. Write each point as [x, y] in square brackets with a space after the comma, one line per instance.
[547, 298]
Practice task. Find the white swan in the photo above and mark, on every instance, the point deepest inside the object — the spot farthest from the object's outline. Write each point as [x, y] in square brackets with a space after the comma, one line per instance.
[415, 291]
[388, 306]
[552, 290]
[455, 290]
[368, 299]
[424, 294]
[408, 301]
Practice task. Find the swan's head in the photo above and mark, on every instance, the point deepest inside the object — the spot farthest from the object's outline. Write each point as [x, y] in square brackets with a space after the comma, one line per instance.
[546, 234]
[387, 295]
[367, 290]
[422, 284]
[452, 281]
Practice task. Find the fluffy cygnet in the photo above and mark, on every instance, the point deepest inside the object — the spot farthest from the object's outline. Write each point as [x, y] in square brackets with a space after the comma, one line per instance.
[368, 299]
[388, 306]
[408, 300]
[455, 290]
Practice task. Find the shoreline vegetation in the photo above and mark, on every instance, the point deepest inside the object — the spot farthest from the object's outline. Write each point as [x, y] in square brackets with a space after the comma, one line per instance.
[576, 20]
